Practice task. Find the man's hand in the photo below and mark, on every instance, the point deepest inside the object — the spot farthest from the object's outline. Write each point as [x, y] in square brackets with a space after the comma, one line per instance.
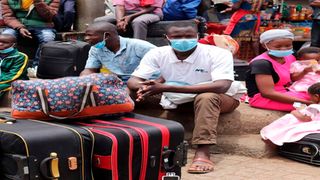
[127, 19]
[25, 33]
[122, 25]
[149, 88]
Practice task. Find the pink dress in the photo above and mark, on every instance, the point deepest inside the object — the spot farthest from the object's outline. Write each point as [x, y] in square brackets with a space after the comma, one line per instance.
[283, 71]
[304, 83]
[289, 129]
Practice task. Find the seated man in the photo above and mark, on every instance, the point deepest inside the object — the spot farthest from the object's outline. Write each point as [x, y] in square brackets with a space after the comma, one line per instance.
[119, 55]
[63, 21]
[30, 18]
[13, 64]
[138, 13]
[208, 71]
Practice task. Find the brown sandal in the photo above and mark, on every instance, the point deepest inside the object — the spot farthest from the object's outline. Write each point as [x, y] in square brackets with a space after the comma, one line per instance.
[200, 162]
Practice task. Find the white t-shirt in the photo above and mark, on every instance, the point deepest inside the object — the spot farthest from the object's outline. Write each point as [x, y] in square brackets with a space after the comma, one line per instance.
[206, 63]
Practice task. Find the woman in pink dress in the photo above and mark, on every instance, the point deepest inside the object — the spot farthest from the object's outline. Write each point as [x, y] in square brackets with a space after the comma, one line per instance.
[299, 123]
[305, 71]
[269, 75]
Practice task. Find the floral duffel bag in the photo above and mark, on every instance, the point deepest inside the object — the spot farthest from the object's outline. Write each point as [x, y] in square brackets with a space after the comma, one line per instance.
[70, 97]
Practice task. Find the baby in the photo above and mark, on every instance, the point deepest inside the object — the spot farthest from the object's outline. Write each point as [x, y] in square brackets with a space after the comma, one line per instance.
[297, 124]
[306, 70]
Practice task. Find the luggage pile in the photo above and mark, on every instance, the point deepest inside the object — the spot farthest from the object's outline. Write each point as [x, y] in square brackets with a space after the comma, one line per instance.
[76, 143]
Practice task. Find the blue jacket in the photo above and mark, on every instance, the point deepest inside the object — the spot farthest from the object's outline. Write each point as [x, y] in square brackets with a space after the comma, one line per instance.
[66, 15]
[180, 9]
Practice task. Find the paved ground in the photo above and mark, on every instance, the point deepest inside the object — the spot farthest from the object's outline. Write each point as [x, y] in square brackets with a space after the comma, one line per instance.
[233, 167]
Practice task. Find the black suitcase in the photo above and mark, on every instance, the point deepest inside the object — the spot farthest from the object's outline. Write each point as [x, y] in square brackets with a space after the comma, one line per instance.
[32, 149]
[306, 150]
[137, 147]
[60, 59]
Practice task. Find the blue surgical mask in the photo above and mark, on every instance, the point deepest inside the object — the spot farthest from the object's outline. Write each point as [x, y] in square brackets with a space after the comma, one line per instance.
[279, 53]
[6, 51]
[183, 45]
[102, 43]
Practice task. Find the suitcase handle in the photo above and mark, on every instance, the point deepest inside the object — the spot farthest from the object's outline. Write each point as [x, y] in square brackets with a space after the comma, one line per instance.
[7, 120]
[167, 159]
[83, 99]
[175, 158]
[53, 161]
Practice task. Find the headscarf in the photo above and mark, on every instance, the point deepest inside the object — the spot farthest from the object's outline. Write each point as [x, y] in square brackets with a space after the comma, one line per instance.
[275, 34]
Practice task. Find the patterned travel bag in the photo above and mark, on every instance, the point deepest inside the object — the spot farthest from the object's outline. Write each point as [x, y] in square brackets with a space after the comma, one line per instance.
[70, 97]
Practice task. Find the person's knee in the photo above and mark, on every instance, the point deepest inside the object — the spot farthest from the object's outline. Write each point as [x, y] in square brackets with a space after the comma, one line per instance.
[10, 31]
[207, 98]
[138, 22]
[46, 35]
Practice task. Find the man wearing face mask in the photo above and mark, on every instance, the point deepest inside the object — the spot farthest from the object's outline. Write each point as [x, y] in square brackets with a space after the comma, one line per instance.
[12, 63]
[119, 55]
[206, 71]
[269, 74]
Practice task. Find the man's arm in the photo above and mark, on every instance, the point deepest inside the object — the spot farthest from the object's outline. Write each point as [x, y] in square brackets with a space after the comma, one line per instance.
[88, 71]
[9, 18]
[148, 88]
[46, 11]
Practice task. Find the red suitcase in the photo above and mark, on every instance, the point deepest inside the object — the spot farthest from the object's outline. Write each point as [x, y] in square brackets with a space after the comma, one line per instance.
[135, 146]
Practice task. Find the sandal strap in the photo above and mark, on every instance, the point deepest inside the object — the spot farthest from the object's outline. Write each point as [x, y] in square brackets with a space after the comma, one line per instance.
[194, 161]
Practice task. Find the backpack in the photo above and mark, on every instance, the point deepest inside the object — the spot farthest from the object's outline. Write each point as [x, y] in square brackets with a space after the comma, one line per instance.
[256, 5]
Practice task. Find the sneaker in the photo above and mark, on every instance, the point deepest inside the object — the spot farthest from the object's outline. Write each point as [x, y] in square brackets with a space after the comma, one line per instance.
[32, 72]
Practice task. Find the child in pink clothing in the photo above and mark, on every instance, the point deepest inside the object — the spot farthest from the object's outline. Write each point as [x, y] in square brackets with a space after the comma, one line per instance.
[306, 71]
[299, 123]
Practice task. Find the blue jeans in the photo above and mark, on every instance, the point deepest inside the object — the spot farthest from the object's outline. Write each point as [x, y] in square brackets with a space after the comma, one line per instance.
[315, 33]
[43, 35]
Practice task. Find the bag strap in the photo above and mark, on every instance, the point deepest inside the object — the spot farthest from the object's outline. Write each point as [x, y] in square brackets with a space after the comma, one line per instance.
[45, 106]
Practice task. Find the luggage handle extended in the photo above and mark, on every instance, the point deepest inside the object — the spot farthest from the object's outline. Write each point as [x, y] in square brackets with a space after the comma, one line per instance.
[54, 166]
[84, 99]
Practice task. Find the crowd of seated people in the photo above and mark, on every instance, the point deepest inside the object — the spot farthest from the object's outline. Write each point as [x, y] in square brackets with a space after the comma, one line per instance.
[186, 70]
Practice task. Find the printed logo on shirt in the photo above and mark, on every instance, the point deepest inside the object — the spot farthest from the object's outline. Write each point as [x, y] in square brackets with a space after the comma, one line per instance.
[201, 70]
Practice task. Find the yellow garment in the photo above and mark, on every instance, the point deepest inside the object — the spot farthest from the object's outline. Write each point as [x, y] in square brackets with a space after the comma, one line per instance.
[25, 4]
[105, 70]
